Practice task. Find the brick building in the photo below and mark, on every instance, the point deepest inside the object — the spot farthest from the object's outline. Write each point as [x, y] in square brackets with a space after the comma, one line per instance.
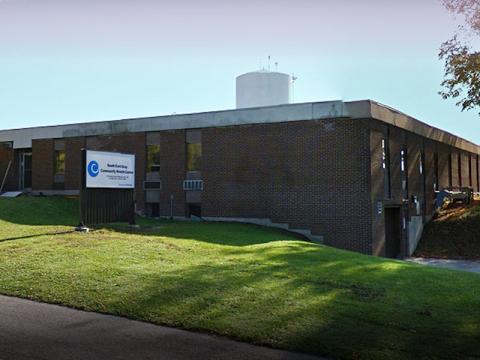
[355, 175]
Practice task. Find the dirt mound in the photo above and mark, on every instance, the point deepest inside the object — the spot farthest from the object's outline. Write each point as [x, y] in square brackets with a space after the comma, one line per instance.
[454, 233]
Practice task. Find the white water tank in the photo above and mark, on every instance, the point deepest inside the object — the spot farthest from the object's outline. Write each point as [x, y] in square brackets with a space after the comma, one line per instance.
[263, 88]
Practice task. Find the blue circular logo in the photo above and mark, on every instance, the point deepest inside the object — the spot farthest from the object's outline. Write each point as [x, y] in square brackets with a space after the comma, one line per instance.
[93, 168]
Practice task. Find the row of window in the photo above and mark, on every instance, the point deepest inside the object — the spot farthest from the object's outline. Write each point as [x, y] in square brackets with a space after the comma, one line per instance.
[193, 148]
[459, 169]
[193, 161]
[194, 156]
[421, 168]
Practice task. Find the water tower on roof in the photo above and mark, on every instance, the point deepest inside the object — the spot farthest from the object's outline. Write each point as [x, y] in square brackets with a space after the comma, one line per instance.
[263, 88]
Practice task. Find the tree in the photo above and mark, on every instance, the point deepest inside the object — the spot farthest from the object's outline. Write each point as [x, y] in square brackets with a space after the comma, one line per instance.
[462, 61]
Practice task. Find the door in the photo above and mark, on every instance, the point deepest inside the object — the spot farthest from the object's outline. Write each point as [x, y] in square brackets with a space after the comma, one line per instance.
[393, 233]
[25, 170]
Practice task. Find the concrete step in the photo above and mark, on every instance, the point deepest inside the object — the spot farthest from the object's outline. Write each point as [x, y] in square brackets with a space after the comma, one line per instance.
[304, 232]
[11, 194]
[308, 234]
[267, 222]
[279, 226]
[318, 239]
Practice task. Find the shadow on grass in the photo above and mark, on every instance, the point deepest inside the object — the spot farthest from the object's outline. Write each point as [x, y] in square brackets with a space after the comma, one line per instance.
[220, 233]
[300, 301]
[44, 211]
[294, 295]
[36, 235]
[29, 210]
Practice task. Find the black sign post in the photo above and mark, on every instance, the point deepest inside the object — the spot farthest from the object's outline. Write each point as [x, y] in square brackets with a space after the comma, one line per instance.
[104, 205]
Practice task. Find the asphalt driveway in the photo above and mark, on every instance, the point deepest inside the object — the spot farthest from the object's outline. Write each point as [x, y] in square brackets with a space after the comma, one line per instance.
[463, 265]
[31, 330]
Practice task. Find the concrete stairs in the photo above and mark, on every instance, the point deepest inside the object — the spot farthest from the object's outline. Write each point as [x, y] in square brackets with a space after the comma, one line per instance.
[318, 239]
[308, 234]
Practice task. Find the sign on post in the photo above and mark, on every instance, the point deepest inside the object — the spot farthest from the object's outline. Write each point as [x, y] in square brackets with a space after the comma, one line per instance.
[108, 188]
[106, 170]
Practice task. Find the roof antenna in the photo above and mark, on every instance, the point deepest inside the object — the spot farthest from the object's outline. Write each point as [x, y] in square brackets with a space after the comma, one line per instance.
[294, 78]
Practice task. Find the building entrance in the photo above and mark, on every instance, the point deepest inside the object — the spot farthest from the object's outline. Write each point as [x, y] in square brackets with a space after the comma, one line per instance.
[26, 170]
[393, 233]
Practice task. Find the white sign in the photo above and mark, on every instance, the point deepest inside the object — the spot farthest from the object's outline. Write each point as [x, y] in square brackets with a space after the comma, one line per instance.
[110, 170]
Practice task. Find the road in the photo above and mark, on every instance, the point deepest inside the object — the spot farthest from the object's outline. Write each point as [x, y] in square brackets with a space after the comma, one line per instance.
[31, 330]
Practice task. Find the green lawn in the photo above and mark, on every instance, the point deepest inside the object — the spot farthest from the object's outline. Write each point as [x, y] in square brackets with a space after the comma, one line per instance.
[246, 282]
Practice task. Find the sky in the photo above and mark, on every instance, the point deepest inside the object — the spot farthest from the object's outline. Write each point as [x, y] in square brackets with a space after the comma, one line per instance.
[69, 61]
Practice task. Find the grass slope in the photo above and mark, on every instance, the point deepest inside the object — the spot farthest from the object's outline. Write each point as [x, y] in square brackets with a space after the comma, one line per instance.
[246, 282]
[454, 234]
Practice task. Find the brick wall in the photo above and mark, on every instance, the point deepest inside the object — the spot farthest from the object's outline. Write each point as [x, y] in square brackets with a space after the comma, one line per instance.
[477, 172]
[455, 167]
[415, 179]
[7, 155]
[42, 164]
[311, 175]
[172, 172]
[472, 174]
[443, 165]
[465, 161]
[419, 184]
[379, 176]
[397, 140]
[429, 173]
[73, 162]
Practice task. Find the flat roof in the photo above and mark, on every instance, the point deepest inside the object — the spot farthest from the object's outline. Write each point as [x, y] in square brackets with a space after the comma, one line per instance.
[22, 138]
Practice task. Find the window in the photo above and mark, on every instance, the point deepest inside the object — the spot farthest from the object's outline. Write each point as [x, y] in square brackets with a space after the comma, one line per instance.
[403, 168]
[420, 163]
[194, 210]
[386, 165]
[153, 158]
[152, 185]
[193, 141]
[403, 155]
[194, 157]
[153, 210]
[59, 161]
[384, 155]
